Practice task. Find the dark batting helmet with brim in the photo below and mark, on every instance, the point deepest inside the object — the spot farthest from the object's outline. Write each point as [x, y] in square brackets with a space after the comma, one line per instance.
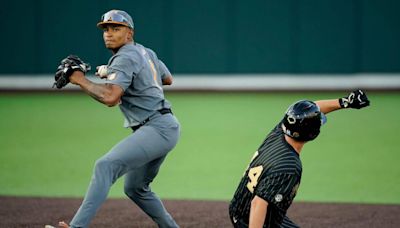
[117, 17]
[303, 121]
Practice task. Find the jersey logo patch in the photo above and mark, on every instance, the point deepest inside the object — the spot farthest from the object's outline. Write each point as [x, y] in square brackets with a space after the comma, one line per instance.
[111, 76]
[278, 198]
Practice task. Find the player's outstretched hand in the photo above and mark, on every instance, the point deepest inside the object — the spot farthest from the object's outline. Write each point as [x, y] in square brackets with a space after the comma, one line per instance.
[356, 99]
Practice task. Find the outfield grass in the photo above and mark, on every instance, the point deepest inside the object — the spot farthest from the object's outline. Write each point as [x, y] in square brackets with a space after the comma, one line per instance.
[49, 143]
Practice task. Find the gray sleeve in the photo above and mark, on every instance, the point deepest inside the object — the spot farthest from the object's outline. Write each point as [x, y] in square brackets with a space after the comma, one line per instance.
[122, 70]
[164, 72]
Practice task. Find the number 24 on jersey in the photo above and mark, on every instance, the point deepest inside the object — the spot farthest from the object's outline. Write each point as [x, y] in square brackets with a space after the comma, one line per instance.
[253, 174]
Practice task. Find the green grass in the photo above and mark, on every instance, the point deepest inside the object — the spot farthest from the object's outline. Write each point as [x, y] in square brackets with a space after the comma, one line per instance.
[49, 143]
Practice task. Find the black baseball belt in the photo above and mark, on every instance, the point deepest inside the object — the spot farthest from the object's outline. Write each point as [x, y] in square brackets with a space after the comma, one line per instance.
[162, 111]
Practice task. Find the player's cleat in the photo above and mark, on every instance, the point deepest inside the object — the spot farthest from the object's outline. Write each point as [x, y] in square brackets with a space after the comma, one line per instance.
[63, 224]
[60, 224]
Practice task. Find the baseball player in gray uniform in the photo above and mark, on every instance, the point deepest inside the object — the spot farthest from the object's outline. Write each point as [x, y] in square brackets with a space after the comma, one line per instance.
[134, 78]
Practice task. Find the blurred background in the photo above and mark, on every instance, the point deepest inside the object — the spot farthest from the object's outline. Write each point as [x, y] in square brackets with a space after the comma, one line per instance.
[290, 38]
[285, 50]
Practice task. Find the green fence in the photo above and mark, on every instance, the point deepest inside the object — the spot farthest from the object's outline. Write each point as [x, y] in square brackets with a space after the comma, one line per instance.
[211, 36]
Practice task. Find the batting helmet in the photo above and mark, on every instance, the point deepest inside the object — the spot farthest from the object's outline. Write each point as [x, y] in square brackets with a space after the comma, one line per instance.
[303, 121]
[118, 17]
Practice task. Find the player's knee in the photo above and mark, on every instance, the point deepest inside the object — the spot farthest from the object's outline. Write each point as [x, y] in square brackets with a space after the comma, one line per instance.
[113, 169]
[102, 164]
[135, 192]
[131, 192]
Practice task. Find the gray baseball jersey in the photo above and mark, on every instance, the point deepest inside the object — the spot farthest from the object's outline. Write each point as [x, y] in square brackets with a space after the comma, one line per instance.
[139, 73]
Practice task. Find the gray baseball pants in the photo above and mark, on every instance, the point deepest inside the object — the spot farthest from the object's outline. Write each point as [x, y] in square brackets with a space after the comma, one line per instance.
[138, 156]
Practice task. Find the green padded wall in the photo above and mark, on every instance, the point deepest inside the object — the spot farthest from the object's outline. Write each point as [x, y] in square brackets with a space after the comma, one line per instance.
[209, 36]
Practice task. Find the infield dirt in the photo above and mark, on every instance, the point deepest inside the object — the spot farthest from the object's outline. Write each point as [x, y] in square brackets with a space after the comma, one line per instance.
[37, 212]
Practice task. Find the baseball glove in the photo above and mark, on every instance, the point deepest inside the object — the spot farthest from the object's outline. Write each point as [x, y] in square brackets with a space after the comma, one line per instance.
[66, 68]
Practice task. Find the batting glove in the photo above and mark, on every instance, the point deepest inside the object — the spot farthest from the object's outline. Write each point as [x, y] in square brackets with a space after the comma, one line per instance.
[356, 99]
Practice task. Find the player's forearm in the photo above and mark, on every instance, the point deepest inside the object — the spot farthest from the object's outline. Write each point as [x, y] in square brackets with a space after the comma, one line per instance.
[98, 92]
[258, 211]
[103, 93]
[328, 106]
